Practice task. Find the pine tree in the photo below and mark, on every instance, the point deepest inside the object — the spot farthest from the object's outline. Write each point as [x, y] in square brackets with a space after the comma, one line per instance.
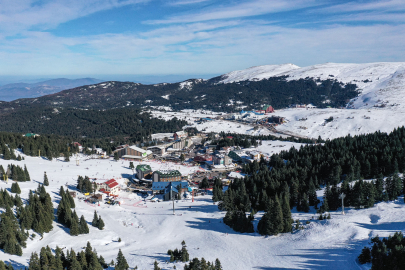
[83, 228]
[95, 221]
[70, 199]
[15, 188]
[74, 227]
[287, 220]
[121, 261]
[93, 263]
[46, 181]
[184, 253]
[100, 224]
[102, 262]
[34, 262]
[27, 175]
[75, 264]
[218, 265]
[276, 216]
[156, 266]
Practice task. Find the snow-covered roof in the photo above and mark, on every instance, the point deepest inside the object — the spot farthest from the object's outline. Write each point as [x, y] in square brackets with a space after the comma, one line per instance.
[236, 175]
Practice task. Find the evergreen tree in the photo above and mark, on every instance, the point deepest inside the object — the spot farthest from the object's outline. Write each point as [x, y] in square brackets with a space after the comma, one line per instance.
[218, 265]
[27, 175]
[46, 181]
[156, 266]
[74, 227]
[15, 188]
[34, 262]
[100, 224]
[121, 262]
[287, 220]
[95, 221]
[184, 253]
[94, 264]
[83, 228]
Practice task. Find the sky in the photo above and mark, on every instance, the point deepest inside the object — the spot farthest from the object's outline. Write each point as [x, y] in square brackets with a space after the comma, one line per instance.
[113, 38]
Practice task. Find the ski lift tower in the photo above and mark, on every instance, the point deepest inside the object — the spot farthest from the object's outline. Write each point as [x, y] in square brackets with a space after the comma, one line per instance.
[342, 196]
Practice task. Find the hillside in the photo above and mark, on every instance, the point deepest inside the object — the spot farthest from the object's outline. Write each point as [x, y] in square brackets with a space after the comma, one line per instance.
[149, 229]
[381, 84]
[196, 94]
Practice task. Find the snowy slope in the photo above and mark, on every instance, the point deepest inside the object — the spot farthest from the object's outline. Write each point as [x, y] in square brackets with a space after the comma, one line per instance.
[380, 83]
[257, 73]
[148, 229]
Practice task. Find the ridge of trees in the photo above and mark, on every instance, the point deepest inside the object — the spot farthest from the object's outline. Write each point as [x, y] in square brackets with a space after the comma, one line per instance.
[210, 94]
[75, 123]
[290, 179]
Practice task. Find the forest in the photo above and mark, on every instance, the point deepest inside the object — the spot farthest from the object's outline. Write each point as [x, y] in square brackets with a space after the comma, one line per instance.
[385, 253]
[291, 178]
[276, 91]
[75, 123]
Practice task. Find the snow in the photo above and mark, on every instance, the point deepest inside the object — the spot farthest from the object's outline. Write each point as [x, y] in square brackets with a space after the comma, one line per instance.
[230, 127]
[380, 83]
[257, 73]
[269, 148]
[149, 229]
[166, 97]
[345, 121]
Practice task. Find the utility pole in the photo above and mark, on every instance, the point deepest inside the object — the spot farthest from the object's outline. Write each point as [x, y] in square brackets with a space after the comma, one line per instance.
[342, 196]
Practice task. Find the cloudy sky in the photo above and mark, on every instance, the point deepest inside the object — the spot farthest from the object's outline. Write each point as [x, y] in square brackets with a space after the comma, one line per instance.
[157, 37]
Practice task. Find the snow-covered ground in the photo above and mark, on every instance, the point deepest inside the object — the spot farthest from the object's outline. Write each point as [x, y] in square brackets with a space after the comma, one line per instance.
[274, 147]
[149, 229]
[380, 83]
[345, 121]
[308, 123]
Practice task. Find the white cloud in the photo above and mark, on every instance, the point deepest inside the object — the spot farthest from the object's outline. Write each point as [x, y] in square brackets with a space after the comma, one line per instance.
[356, 6]
[243, 9]
[201, 48]
[20, 15]
[186, 2]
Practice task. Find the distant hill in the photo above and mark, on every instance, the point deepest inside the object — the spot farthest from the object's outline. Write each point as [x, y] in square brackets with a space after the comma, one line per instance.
[325, 85]
[198, 94]
[15, 91]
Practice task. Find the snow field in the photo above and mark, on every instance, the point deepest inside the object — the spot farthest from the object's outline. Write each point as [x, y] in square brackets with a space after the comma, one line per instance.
[149, 229]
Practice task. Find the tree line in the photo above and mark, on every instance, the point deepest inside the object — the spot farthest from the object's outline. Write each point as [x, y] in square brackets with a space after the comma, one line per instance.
[290, 179]
[115, 124]
[385, 253]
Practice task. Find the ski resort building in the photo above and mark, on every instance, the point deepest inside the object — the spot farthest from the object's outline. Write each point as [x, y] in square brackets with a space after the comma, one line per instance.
[159, 150]
[179, 134]
[111, 187]
[170, 189]
[268, 109]
[143, 171]
[166, 176]
[134, 153]
[221, 159]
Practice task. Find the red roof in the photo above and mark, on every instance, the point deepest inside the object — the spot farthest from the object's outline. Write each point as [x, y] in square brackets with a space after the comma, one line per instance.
[111, 183]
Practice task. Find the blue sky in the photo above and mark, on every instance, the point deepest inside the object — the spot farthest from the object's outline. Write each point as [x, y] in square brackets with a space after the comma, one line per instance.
[78, 38]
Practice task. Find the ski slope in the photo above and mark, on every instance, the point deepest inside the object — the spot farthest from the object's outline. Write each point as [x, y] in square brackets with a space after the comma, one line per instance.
[149, 229]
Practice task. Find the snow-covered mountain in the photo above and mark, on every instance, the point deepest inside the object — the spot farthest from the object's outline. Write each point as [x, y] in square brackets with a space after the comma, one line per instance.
[381, 84]
[257, 73]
